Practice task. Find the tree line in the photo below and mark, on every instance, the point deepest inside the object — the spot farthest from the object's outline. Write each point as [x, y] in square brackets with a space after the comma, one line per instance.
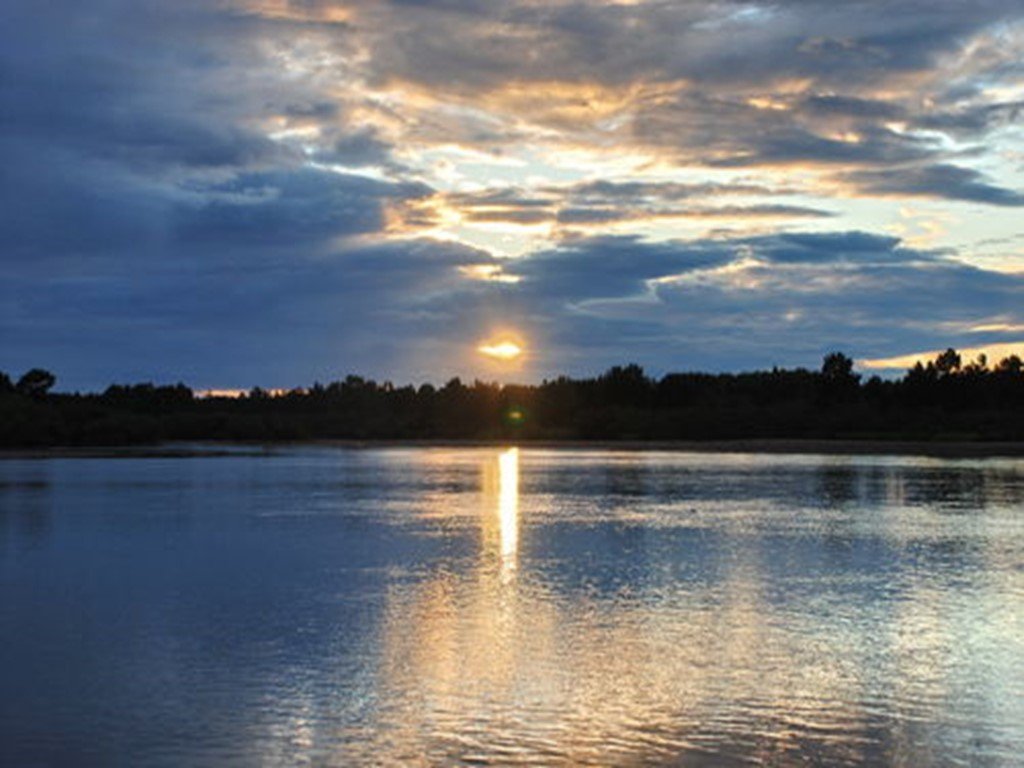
[943, 399]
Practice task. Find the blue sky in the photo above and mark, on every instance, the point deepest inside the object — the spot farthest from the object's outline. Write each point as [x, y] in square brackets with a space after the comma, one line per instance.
[262, 192]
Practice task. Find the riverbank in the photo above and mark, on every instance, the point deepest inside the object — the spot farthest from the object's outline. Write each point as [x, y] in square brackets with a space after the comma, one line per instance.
[937, 449]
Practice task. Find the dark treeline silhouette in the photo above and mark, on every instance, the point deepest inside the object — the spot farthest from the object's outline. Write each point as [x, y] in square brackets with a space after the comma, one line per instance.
[943, 400]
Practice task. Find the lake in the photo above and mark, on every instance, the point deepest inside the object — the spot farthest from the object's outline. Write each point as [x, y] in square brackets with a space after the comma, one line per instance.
[439, 606]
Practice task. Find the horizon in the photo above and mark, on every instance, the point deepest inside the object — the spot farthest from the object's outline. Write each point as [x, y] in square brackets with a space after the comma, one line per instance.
[864, 373]
[886, 369]
[272, 191]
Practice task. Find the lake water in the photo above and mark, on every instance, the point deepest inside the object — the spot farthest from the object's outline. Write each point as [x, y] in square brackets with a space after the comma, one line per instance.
[481, 606]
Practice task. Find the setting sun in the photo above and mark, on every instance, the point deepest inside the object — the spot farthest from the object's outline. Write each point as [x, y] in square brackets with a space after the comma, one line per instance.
[503, 350]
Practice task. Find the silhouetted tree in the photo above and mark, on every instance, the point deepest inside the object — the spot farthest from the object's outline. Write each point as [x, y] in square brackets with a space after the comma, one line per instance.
[948, 362]
[837, 367]
[922, 375]
[1010, 365]
[36, 382]
[626, 385]
[940, 398]
[838, 382]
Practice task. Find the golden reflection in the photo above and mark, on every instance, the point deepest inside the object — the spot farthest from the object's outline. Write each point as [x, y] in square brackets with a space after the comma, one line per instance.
[546, 669]
[508, 506]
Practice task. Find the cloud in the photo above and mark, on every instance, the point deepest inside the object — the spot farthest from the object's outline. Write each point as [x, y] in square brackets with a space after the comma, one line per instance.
[280, 321]
[832, 105]
[942, 181]
[751, 302]
[683, 79]
[362, 148]
[607, 266]
[237, 192]
[972, 119]
[599, 203]
[611, 214]
[467, 44]
[137, 133]
[631, 192]
[295, 208]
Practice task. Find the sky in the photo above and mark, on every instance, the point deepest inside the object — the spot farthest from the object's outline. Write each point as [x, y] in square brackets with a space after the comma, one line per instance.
[238, 193]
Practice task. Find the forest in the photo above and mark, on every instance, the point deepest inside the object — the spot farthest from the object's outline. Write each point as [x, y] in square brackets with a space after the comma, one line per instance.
[943, 400]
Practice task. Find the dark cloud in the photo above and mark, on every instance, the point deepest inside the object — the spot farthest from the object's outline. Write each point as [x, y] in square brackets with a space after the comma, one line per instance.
[941, 181]
[713, 42]
[836, 248]
[274, 322]
[971, 120]
[852, 106]
[507, 197]
[605, 202]
[297, 208]
[791, 145]
[364, 147]
[151, 226]
[141, 85]
[608, 266]
[508, 215]
[634, 191]
[620, 267]
[779, 299]
[69, 207]
[608, 215]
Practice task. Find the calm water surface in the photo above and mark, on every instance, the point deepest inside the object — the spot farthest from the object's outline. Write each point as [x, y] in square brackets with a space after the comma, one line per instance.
[479, 606]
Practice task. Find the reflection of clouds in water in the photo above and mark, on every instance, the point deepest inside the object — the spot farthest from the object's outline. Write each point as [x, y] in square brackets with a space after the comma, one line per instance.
[25, 500]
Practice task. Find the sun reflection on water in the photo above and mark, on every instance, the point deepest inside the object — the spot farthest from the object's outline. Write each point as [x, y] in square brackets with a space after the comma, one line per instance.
[508, 506]
[659, 632]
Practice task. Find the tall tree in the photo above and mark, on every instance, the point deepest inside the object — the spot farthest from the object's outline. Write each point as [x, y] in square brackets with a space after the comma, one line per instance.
[36, 382]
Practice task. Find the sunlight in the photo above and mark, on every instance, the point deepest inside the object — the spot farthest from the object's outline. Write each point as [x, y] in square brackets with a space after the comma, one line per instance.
[503, 350]
[508, 505]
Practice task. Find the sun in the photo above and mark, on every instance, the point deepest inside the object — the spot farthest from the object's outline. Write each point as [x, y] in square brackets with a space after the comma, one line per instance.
[500, 350]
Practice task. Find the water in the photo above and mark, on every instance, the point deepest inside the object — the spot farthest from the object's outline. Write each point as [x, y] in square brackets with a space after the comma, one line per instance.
[474, 606]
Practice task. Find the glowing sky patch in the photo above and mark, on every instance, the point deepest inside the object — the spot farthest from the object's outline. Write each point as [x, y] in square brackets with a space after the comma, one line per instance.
[992, 353]
[488, 273]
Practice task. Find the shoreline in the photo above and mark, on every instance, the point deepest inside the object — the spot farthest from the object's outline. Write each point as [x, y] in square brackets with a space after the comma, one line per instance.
[781, 446]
